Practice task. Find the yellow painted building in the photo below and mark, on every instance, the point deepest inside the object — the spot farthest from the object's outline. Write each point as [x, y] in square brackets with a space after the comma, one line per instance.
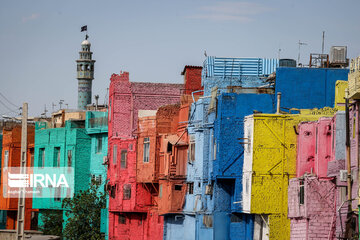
[340, 87]
[269, 163]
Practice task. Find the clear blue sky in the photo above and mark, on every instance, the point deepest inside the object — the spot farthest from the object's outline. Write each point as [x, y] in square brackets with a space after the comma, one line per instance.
[153, 40]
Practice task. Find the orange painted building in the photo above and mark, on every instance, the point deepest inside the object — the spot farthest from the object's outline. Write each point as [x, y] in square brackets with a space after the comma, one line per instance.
[11, 151]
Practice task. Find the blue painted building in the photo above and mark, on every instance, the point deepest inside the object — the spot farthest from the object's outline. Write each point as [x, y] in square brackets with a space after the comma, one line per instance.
[216, 128]
[208, 205]
[308, 87]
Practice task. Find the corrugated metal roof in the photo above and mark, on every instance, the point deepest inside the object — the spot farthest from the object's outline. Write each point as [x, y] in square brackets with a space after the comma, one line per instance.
[236, 67]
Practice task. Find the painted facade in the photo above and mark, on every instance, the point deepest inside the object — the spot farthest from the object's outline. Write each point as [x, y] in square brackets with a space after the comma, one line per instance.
[11, 149]
[97, 129]
[73, 144]
[312, 208]
[82, 144]
[315, 87]
[265, 179]
[317, 196]
[131, 204]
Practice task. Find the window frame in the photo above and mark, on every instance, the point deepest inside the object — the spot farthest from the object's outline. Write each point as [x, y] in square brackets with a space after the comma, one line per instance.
[146, 150]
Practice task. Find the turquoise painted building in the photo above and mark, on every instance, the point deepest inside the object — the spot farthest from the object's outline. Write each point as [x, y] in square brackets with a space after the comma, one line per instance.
[96, 126]
[81, 144]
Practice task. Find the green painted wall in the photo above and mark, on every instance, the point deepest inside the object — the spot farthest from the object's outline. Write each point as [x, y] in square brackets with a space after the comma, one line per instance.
[97, 128]
[83, 139]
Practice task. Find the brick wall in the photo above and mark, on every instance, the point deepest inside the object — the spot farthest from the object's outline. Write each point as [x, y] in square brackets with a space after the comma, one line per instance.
[316, 217]
[127, 98]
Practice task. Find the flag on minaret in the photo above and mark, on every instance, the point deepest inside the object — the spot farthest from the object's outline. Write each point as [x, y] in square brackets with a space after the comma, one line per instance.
[84, 28]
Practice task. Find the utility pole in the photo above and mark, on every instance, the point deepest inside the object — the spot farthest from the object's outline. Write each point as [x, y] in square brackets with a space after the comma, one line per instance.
[300, 43]
[21, 203]
[323, 41]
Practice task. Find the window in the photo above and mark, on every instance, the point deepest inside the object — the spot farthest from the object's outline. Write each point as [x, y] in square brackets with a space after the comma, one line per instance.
[192, 152]
[160, 190]
[57, 194]
[214, 149]
[32, 158]
[343, 194]
[41, 160]
[127, 192]
[169, 147]
[56, 160]
[99, 145]
[178, 187]
[208, 221]
[190, 186]
[146, 150]
[236, 218]
[96, 179]
[114, 154]
[69, 161]
[123, 158]
[130, 147]
[302, 193]
[6, 158]
[112, 191]
[122, 219]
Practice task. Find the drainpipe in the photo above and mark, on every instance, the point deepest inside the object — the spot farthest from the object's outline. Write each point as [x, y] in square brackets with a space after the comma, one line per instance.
[192, 94]
[348, 155]
[278, 103]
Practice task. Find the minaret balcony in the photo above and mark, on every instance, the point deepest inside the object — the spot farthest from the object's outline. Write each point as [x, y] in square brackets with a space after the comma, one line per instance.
[85, 74]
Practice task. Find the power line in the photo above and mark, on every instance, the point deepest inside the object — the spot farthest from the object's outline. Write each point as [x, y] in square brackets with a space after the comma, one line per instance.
[12, 110]
[8, 100]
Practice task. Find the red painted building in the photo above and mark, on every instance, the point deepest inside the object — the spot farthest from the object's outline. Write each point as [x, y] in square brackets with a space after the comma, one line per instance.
[11, 151]
[132, 207]
[192, 79]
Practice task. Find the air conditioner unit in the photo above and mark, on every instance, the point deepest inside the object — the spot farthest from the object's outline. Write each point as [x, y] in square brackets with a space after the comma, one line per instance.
[338, 55]
[343, 175]
[208, 189]
[105, 160]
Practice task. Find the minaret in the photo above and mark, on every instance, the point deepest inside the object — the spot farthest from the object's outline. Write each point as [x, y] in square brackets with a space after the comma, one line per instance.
[85, 74]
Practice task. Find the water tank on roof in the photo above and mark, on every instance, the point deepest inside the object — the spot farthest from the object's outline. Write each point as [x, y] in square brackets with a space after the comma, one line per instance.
[287, 62]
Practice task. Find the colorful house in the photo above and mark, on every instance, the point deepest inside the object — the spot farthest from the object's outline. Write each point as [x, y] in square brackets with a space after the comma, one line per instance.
[317, 196]
[11, 149]
[97, 129]
[130, 202]
[265, 179]
[80, 144]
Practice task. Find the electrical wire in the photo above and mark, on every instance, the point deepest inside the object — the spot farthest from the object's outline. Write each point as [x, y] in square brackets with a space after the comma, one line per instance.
[12, 110]
[8, 100]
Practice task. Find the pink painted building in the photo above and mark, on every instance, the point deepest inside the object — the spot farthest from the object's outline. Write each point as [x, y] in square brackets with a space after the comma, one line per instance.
[132, 206]
[312, 208]
[315, 147]
[317, 194]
